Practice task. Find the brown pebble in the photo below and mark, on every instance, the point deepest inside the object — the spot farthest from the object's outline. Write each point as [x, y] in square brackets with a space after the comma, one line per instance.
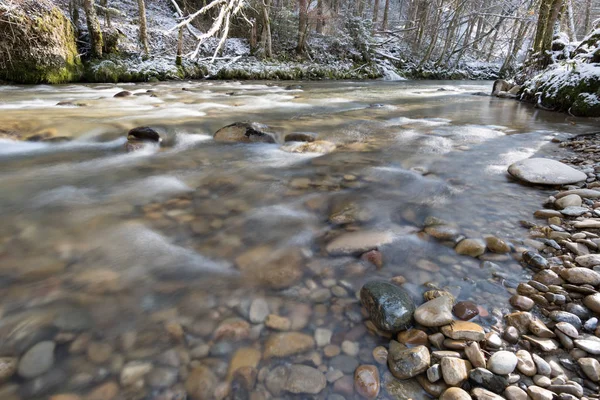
[413, 337]
[465, 310]
[366, 381]
[374, 257]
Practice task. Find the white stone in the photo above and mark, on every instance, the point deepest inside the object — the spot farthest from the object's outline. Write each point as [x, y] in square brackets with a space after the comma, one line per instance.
[502, 362]
[545, 171]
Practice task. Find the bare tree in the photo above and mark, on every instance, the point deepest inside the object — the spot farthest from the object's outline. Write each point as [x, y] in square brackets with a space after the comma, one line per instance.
[93, 28]
[386, 12]
[302, 26]
[143, 27]
[266, 31]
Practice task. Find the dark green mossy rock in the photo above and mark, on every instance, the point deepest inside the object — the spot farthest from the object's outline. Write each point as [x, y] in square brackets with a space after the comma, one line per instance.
[37, 44]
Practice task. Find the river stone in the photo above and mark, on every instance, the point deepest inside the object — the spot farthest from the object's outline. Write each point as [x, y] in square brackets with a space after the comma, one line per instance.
[406, 363]
[436, 312]
[133, 371]
[535, 260]
[390, 307]
[366, 381]
[300, 137]
[590, 367]
[475, 355]
[259, 309]
[454, 370]
[404, 389]
[455, 393]
[542, 366]
[37, 360]
[502, 362]
[571, 200]
[580, 276]
[470, 247]
[538, 393]
[286, 344]
[525, 363]
[8, 367]
[588, 260]
[585, 193]
[484, 378]
[521, 302]
[515, 393]
[201, 383]
[243, 357]
[463, 330]
[318, 146]
[588, 224]
[567, 329]
[465, 310]
[563, 316]
[356, 243]
[543, 344]
[593, 302]
[304, 379]
[244, 132]
[544, 171]
[574, 211]
[277, 269]
[144, 134]
[345, 363]
[591, 346]
[496, 245]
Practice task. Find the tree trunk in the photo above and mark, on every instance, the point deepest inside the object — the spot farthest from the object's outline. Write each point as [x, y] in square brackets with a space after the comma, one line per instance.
[93, 27]
[143, 28]
[179, 58]
[587, 19]
[319, 16]
[302, 25]
[375, 13]
[553, 17]
[386, 12]
[571, 20]
[266, 32]
[543, 14]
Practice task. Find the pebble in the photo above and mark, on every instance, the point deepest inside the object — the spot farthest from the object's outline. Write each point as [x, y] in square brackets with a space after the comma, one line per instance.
[593, 302]
[278, 323]
[434, 373]
[8, 367]
[488, 380]
[366, 381]
[201, 383]
[538, 393]
[380, 355]
[580, 276]
[463, 330]
[521, 303]
[286, 344]
[567, 329]
[496, 245]
[435, 313]
[455, 393]
[525, 363]
[590, 367]
[133, 371]
[470, 247]
[542, 381]
[515, 393]
[570, 200]
[590, 346]
[390, 307]
[502, 362]
[356, 243]
[465, 310]
[243, 357]
[588, 261]
[259, 309]
[37, 360]
[350, 348]
[545, 171]
[406, 363]
[483, 394]
[322, 337]
[454, 370]
[475, 355]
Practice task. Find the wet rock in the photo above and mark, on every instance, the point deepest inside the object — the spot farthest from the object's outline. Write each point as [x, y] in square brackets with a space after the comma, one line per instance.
[593, 302]
[406, 363]
[590, 367]
[374, 257]
[99, 353]
[434, 389]
[580, 276]
[105, 391]
[454, 370]
[465, 310]
[545, 171]
[318, 146]
[286, 344]
[413, 337]
[366, 381]
[535, 260]
[124, 93]
[8, 367]
[300, 137]
[521, 302]
[243, 357]
[484, 378]
[304, 379]
[496, 245]
[571, 200]
[390, 307]
[356, 243]
[323, 336]
[162, 377]
[277, 269]
[346, 364]
[37, 360]
[434, 313]
[463, 330]
[455, 393]
[404, 389]
[232, 329]
[443, 232]
[133, 371]
[470, 247]
[245, 132]
[144, 133]
[43, 384]
[278, 323]
[259, 309]
[563, 316]
[201, 383]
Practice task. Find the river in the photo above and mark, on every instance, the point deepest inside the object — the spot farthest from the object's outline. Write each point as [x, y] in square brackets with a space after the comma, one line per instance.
[163, 257]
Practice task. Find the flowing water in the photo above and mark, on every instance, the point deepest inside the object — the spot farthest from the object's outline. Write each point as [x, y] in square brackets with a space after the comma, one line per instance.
[164, 249]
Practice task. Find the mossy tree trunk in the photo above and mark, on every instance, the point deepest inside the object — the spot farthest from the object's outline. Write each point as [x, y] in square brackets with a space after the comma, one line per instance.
[143, 27]
[93, 28]
[547, 18]
[302, 26]
[266, 30]
[179, 58]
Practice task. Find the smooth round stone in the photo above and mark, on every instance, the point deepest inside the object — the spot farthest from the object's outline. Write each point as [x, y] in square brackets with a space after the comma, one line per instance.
[525, 363]
[580, 276]
[406, 363]
[37, 360]
[544, 171]
[366, 381]
[502, 362]
[543, 368]
[570, 200]
[538, 393]
[567, 329]
[390, 307]
[244, 132]
[356, 243]
[515, 393]
[542, 381]
[305, 379]
[454, 370]
[344, 363]
[590, 367]
[455, 393]
[470, 247]
[162, 377]
[413, 337]
[496, 245]
[434, 313]
[380, 355]
[287, 343]
[8, 367]
[589, 345]
[593, 302]
[521, 303]
[259, 309]
[563, 316]
[465, 310]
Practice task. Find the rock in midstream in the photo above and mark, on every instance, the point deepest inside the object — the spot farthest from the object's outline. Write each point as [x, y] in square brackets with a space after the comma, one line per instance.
[244, 132]
[390, 307]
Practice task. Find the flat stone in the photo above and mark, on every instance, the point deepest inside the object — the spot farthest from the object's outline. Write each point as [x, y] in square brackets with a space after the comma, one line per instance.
[496, 245]
[366, 381]
[286, 344]
[543, 344]
[406, 363]
[390, 307]
[545, 171]
[37, 360]
[455, 393]
[593, 302]
[243, 357]
[323, 337]
[579, 249]
[356, 243]
[317, 146]
[538, 393]
[133, 371]
[470, 247]
[589, 260]
[585, 193]
[502, 362]
[259, 309]
[464, 330]
[305, 379]
[580, 276]
[590, 367]
[588, 224]
[588, 345]
[483, 394]
[488, 380]
[570, 200]
[436, 312]
[521, 302]
[515, 393]
[567, 329]
[564, 316]
[454, 370]
[475, 355]
[244, 132]
[574, 211]
[547, 213]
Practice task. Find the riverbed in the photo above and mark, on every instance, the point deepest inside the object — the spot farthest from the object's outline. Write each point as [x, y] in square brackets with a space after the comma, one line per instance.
[175, 257]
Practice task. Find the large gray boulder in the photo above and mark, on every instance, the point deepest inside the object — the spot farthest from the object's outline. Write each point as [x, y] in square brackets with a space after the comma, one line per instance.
[543, 171]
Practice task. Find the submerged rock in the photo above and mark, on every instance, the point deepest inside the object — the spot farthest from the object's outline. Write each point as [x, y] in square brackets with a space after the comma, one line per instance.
[244, 132]
[544, 171]
[318, 146]
[140, 136]
[300, 137]
[356, 243]
[390, 307]
[436, 312]
[407, 363]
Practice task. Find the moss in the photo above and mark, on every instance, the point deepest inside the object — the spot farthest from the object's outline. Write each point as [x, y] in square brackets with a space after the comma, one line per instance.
[51, 58]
